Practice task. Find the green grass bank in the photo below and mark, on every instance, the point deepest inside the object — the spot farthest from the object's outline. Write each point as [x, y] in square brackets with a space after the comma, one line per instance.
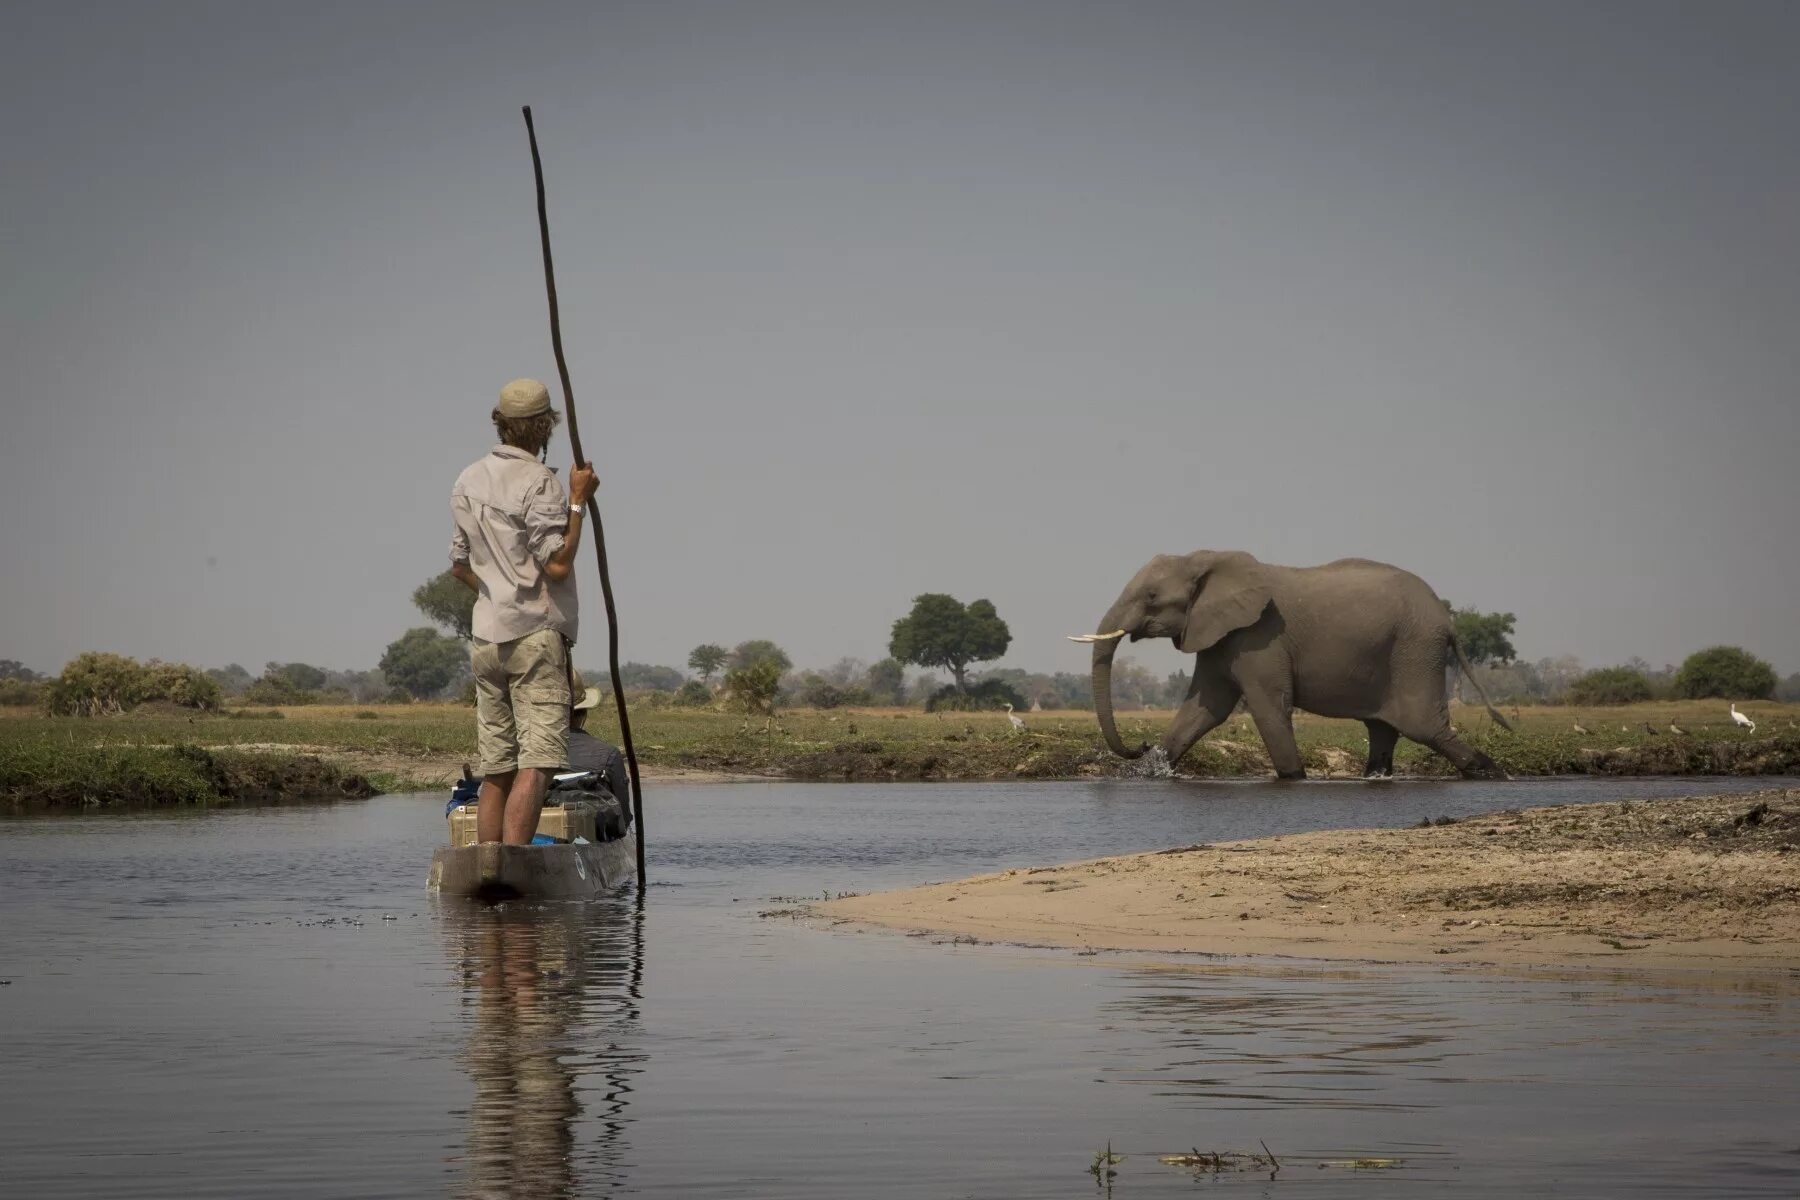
[178, 758]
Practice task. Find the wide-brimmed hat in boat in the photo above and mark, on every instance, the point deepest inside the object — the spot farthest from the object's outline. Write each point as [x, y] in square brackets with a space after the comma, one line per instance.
[585, 697]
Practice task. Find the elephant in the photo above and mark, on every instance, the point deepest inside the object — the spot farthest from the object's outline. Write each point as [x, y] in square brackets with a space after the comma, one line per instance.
[1352, 638]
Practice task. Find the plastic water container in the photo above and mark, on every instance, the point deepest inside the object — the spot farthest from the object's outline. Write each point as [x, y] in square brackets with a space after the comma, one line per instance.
[542, 839]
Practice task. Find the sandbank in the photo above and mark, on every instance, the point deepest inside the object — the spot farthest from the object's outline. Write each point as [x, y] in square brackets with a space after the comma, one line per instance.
[1693, 882]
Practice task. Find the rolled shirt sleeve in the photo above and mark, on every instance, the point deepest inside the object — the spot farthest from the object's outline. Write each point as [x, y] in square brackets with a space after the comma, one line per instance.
[459, 546]
[546, 517]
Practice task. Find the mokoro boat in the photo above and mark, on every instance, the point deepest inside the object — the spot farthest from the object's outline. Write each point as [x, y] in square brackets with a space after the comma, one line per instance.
[493, 871]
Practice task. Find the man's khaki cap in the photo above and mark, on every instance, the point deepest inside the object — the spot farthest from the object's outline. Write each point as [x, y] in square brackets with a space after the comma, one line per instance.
[585, 696]
[524, 398]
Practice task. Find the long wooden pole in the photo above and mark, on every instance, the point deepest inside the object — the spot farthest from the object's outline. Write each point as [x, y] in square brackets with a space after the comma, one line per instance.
[593, 504]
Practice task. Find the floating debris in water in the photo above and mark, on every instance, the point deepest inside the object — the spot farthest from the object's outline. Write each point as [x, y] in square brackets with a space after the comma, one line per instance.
[1217, 1162]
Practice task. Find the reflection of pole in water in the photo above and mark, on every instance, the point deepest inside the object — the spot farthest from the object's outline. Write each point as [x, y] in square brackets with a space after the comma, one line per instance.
[554, 994]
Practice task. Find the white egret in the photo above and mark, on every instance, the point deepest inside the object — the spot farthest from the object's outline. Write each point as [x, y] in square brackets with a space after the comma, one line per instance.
[1741, 719]
[1580, 728]
[1018, 726]
[1677, 730]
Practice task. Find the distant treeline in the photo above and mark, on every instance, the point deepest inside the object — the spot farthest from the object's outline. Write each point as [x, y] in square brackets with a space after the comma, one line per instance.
[759, 676]
[1726, 672]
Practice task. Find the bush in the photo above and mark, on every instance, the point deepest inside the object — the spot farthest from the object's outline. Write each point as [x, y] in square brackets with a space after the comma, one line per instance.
[816, 691]
[985, 695]
[1726, 672]
[257, 714]
[365, 714]
[693, 694]
[21, 693]
[755, 687]
[95, 684]
[276, 689]
[1610, 685]
[1789, 689]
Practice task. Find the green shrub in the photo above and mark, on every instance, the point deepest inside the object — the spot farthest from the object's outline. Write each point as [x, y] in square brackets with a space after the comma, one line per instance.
[96, 684]
[21, 693]
[982, 696]
[257, 714]
[181, 684]
[693, 694]
[1610, 685]
[816, 691]
[754, 687]
[1726, 672]
[364, 714]
[276, 690]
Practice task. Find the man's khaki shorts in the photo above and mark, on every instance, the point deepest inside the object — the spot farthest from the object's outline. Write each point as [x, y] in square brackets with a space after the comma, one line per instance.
[522, 702]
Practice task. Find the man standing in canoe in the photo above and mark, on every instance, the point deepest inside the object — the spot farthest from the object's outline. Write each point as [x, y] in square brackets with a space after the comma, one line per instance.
[514, 546]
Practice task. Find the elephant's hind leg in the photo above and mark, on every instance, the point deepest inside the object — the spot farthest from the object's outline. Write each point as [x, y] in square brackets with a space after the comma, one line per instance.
[1469, 762]
[1382, 738]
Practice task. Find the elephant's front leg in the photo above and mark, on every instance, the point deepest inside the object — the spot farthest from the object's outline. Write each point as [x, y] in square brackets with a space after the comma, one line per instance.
[1209, 702]
[1275, 722]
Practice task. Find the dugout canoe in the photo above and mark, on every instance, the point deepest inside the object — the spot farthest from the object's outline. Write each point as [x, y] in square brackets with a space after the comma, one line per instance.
[494, 871]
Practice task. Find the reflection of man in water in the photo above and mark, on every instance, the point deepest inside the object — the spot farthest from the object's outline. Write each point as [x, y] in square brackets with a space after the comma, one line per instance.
[589, 753]
[521, 1141]
[552, 1014]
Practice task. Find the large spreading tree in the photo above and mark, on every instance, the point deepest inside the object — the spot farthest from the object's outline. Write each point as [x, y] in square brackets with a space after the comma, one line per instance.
[443, 598]
[941, 631]
[707, 658]
[1486, 638]
[423, 661]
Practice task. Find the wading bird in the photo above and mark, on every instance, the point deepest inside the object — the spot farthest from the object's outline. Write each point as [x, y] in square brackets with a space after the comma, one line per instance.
[1018, 725]
[1650, 729]
[1580, 728]
[1740, 718]
[1677, 730]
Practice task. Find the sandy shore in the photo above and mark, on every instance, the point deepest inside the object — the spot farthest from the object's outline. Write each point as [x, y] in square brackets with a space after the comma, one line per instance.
[1704, 881]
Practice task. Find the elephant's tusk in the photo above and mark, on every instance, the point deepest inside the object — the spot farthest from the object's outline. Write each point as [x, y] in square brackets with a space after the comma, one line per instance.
[1096, 637]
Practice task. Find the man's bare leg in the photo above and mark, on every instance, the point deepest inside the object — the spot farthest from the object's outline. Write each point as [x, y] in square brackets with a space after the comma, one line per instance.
[492, 806]
[524, 803]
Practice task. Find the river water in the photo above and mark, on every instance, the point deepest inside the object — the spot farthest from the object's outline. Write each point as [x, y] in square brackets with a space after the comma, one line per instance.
[265, 1001]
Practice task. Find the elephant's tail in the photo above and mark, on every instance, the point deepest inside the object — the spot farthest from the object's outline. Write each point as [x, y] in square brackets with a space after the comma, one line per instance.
[1469, 674]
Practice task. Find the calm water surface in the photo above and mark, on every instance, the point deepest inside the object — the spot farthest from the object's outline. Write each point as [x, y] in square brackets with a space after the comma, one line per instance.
[266, 1001]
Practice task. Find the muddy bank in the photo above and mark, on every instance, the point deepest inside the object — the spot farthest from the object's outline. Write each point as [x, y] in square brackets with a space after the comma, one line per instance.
[151, 776]
[1703, 881]
[955, 756]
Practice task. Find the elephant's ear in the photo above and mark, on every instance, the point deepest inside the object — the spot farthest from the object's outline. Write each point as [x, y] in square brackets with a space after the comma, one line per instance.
[1232, 593]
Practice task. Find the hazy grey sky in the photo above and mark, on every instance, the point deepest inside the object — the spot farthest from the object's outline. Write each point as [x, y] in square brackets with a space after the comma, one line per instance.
[864, 300]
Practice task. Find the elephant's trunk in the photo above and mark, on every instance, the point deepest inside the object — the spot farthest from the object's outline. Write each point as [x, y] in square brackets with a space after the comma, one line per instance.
[1103, 707]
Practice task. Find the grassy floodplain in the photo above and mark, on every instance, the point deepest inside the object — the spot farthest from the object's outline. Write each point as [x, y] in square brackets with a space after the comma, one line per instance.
[173, 757]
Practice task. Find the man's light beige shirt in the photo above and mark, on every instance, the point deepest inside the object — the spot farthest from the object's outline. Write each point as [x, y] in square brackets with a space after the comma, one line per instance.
[510, 512]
